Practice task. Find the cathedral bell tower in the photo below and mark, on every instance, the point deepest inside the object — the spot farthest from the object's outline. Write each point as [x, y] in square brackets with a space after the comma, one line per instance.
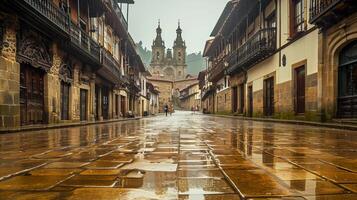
[180, 53]
[158, 48]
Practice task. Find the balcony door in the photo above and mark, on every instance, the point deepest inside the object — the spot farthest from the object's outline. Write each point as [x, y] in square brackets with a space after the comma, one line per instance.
[347, 82]
[269, 96]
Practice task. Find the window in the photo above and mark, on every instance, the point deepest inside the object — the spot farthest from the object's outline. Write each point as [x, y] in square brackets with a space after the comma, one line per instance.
[297, 17]
[108, 40]
[271, 20]
[100, 31]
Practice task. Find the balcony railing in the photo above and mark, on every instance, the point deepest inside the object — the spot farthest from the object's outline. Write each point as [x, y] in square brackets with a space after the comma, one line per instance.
[217, 70]
[111, 64]
[207, 91]
[325, 13]
[318, 7]
[50, 11]
[81, 39]
[261, 45]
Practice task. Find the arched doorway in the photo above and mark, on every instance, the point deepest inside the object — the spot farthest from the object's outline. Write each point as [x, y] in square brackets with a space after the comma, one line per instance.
[347, 82]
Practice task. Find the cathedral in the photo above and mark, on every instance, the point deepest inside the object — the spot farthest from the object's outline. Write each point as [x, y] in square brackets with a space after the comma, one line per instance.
[170, 64]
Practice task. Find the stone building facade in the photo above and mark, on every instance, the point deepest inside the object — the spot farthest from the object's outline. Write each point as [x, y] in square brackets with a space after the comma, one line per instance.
[80, 65]
[190, 97]
[170, 90]
[285, 59]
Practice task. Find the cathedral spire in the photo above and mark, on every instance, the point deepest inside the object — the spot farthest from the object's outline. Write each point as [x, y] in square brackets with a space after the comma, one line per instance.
[158, 40]
[179, 41]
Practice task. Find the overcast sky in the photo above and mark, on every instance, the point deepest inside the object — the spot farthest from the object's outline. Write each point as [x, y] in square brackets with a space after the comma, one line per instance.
[197, 17]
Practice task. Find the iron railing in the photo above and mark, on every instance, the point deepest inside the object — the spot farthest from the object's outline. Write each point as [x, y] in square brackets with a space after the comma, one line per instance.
[217, 69]
[260, 45]
[318, 7]
[49, 10]
[84, 41]
[110, 63]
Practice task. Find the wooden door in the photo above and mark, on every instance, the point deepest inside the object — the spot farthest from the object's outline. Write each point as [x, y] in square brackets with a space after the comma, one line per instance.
[117, 105]
[83, 106]
[269, 96]
[105, 103]
[300, 90]
[65, 100]
[31, 95]
[235, 99]
[241, 98]
[97, 97]
[250, 101]
[123, 105]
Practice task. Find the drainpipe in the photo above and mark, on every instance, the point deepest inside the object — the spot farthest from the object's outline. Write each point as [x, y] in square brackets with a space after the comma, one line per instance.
[276, 3]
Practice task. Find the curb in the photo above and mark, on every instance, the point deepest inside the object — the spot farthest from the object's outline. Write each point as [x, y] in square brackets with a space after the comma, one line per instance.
[64, 125]
[296, 122]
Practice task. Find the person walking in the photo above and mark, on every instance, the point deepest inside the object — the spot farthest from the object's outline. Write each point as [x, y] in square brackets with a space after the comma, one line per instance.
[166, 109]
[171, 109]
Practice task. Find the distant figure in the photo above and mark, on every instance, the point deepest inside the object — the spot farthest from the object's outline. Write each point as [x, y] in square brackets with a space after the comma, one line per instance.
[193, 109]
[171, 109]
[166, 109]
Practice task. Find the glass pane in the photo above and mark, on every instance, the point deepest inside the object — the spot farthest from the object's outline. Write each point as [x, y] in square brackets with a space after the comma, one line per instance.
[349, 54]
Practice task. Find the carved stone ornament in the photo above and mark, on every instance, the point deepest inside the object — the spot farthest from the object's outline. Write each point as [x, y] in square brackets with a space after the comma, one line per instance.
[33, 49]
[66, 73]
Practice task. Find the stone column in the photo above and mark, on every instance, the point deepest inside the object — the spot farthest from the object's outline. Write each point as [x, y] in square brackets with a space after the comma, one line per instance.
[92, 97]
[9, 76]
[52, 86]
[76, 94]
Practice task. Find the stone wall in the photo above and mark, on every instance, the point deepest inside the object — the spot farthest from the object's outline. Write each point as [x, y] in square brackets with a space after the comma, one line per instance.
[258, 108]
[165, 88]
[332, 41]
[223, 102]
[9, 74]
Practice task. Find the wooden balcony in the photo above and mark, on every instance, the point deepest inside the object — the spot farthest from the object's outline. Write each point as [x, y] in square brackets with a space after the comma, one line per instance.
[325, 13]
[260, 46]
[84, 44]
[44, 14]
[207, 91]
[110, 67]
[217, 70]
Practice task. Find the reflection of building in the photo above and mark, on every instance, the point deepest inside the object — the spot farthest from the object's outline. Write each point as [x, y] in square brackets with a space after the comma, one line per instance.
[65, 61]
[293, 59]
[169, 65]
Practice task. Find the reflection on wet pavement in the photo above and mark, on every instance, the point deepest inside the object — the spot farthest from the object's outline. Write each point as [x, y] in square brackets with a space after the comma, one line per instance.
[180, 157]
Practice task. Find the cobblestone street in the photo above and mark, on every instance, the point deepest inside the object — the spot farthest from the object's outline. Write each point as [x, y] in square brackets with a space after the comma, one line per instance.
[184, 156]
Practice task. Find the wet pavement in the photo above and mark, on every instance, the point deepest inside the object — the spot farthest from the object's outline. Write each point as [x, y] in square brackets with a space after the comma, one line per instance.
[184, 156]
